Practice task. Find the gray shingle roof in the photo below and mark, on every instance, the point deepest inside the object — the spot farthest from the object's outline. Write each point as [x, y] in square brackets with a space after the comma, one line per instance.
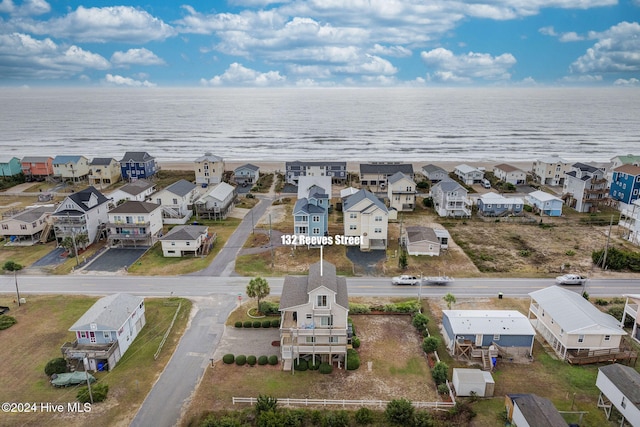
[584, 167]
[185, 232]
[61, 160]
[430, 168]
[386, 168]
[134, 207]
[108, 313]
[416, 233]
[181, 188]
[355, 198]
[102, 161]
[397, 177]
[36, 159]
[247, 166]
[83, 196]
[538, 411]
[209, 157]
[316, 163]
[34, 214]
[136, 156]
[136, 187]
[303, 205]
[626, 379]
[448, 185]
[296, 289]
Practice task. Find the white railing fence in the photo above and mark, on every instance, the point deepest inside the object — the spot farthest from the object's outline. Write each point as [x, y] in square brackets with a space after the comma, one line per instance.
[345, 403]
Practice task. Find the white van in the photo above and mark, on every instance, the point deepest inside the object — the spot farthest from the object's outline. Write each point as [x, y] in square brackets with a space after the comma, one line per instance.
[486, 183]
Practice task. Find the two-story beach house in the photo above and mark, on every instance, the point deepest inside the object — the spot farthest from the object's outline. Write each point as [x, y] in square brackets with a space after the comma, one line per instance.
[510, 174]
[625, 185]
[37, 168]
[434, 173]
[71, 168]
[177, 200]
[209, 169]
[187, 240]
[134, 224]
[314, 312]
[401, 192]
[450, 199]
[83, 212]
[366, 217]
[585, 187]
[138, 190]
[494, 204]
[217, 202]
[545, 203]
[104, 171]
[10, 166]
[106, 331]
[375, 175]
[630, 222]
[27, 226]
[550, 170]
[336, 170]
[246, 174]
[311, 213]
[572, 326]
[619, 387]
[137, 164]
[469, 175]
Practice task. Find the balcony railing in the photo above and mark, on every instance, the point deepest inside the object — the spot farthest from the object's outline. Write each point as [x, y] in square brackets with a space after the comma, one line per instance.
[130, 236]
[69, 220]
[92, 351]
[122, 224]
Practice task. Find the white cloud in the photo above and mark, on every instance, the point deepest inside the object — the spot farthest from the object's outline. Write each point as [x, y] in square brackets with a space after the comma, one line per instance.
[548, 31]
[237, 75]
[467, 67]
[117, 23]
[27, 8]
[136, 56]
[586, 78]
[570, 36]
[22, 56]
[396, 51]
[627, 82]
[126, 81]
[617, 50]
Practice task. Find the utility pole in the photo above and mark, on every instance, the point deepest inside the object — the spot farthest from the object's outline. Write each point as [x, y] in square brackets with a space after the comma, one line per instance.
[606, 248]
[270, 242]
[15, 277]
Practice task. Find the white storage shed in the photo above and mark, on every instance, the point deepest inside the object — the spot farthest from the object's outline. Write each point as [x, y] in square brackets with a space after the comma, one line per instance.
[468, 381]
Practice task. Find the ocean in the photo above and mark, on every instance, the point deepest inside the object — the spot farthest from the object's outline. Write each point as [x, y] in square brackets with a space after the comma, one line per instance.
[391, 124]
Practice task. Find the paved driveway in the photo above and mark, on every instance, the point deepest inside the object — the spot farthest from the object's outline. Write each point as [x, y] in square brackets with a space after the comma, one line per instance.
[115, 259]
[365, 263]
[52, 258]
[256, 342]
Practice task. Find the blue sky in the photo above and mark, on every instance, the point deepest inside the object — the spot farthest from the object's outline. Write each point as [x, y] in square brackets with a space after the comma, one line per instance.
[323, 43]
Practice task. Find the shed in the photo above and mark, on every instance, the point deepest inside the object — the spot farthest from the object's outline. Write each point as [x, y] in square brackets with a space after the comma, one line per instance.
[473, 381]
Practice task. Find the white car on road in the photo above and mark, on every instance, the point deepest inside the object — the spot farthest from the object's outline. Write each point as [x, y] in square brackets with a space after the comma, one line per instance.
[570, 279]
[405, 280]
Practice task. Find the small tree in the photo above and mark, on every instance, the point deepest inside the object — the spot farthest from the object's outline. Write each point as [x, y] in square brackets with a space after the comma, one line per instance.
[15, 267]
[449, 299]
[399, 412]
[266, 403]
[430, 344]
[440, 372]
[403, 263]
[419, 321]
[258, 288]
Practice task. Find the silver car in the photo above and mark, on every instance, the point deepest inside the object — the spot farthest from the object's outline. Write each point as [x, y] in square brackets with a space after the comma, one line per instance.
[570, 279]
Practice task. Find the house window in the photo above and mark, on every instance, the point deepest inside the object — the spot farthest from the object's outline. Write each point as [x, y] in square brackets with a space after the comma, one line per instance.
[624, 402]
[353, 227]
[175, 201]
[309, 316]
[333, 340]
[322, 301]
[378, 219]
[159, 201]
[5, 227]
[580, 338]
[310, 340]
[496, 337]
[607, 337]
[83, 334]
[316, 231]
[23, 226]
[315, 218]
[326, 321]
[188, 243]
[377, 230]
[92, 336]
[107, 335]
[173, 243]
[353, 215]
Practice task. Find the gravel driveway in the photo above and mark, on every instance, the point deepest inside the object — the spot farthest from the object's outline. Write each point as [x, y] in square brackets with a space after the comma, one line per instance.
[256, 342]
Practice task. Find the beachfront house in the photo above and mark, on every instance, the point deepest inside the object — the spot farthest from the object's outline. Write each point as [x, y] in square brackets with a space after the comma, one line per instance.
[631, 309]
[104, 171]
[419, 240]
[313, 312]
[187, 240]
[246, 174]
[468, 174]
[366, 217]
[134, 224]
[105, 331]
[450, 199]
[545, 203]
[10, 166]
[467, 331]
[625, 186]
[209, 169]
[82, 213]
[618, 161]
[138, 164]
[572, 326]
[434, 173]
[177, 200]
[37, 168]
[71, 168]
[585, 187]
[27, 227]
[217, 202]
[629, 222]
[550, 170]
[138, 190]
[494, 204]
[510, 174]
[401, 192]
[311, 213]
[337, 171]
[375, 175]
[619, 387]
[530, 410]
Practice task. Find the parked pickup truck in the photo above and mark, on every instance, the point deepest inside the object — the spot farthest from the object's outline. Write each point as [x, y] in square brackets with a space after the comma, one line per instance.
[405, 280]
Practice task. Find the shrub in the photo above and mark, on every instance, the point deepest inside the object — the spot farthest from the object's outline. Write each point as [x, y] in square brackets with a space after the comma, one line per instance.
[263, 360]
[353, 327]
[251, 360]
[265, 403]
[364, 416]
[336, 419]
[250, 196]
[399, 412]
[355, 342]
[275, 323]
[326, 368]
[266, 323]
[7, 321]
[353, 360]
[247, 324]
[55, 366]
[314, 364]
[238, 324]
[257, 324]
[440, 372]
[443, 389]
[570, 252]
[98, 392]
[600, 301]
[228, 359]
[430, 344]
[423, 419]
[419, 321]
[300, 365]
[269, 308]
[241, 359]
[273, 360]
[355, 308]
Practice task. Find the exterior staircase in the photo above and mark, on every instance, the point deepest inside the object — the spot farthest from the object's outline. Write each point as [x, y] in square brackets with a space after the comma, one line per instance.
[44, 236]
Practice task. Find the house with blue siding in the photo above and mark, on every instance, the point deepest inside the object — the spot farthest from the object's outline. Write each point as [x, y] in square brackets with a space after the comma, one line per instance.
[625, 185]
[545, 203]
[137, 164]
[470, 329]
[311, 213]
[106, 330]
[10, 166]
[494, 204]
